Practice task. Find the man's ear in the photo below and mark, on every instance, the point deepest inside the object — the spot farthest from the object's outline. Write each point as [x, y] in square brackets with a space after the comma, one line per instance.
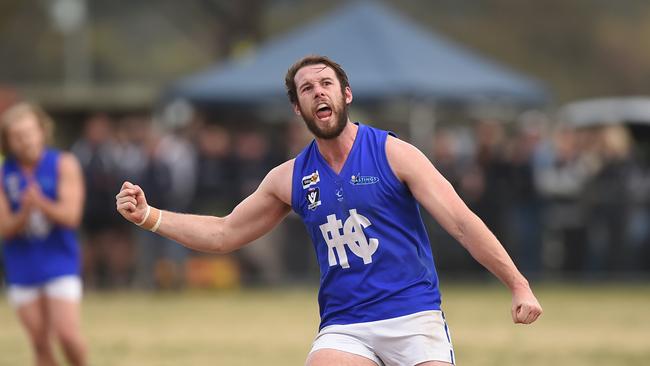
[296, 109]
[348, 95]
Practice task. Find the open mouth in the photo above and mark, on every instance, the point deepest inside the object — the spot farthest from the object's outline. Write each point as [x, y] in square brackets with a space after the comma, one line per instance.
[323, 111]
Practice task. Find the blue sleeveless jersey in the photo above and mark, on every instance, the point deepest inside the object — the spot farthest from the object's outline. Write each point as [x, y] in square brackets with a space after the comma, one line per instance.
[45, 250]
[372, 248]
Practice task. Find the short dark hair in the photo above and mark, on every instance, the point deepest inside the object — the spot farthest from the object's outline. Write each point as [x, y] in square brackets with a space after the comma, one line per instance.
[290, 82]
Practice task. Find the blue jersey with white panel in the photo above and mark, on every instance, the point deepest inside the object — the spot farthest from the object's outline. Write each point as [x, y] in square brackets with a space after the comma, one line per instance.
[372, 248]
[45, 250]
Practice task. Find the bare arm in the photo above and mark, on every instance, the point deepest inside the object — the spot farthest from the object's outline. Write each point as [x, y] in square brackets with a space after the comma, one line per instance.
[437, 195]
[67, 209]
[12, 224]
[252, 218]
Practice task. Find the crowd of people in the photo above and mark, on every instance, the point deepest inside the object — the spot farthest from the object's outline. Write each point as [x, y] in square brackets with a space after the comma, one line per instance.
[571, 202]
[563, 201]
[202, 168]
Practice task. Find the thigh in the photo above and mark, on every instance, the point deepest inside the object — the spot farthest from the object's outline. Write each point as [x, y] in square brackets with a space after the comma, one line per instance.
[65, 316]
[434, 363]
[33, 317]
[63, 297]
[343, 345]
[332, 357]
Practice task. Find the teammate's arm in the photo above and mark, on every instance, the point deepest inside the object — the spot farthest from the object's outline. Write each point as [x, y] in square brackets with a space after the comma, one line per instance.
[12, 224]
[439, 198]
[253, 217]
[67, 209]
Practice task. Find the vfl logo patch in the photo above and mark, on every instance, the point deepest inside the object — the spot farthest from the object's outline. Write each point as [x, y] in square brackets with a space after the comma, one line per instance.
[313, 197]
[310, 180]
[339, 194]
[358, 180]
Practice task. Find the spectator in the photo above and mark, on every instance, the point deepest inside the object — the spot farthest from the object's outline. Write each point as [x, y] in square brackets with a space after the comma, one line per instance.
[560, 176]
[608, 201]
[95, 151]
[170, 174]
[525, 203]
[216, 169]
[261, 260]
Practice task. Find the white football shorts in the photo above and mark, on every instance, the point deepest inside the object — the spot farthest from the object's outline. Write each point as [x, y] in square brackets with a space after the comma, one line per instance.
[402, 341]
[64, 287]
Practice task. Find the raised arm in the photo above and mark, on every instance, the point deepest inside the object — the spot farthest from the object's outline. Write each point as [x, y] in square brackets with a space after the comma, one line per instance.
[253, 217]
[438, 197]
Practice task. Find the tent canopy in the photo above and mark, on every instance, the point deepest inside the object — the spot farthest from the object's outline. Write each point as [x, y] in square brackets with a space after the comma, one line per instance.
[385, 56]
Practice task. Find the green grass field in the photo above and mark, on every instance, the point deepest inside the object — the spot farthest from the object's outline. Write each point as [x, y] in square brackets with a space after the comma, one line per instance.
[582, 325]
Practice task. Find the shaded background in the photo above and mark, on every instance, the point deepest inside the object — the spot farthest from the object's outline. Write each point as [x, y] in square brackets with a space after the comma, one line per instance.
[569, 200]
[183, 98]
[186, 98]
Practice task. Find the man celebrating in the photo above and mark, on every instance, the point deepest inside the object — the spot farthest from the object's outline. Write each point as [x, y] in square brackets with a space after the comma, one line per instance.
[357, 190]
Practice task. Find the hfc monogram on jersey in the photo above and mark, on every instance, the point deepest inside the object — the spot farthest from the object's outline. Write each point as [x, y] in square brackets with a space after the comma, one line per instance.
[352, 236]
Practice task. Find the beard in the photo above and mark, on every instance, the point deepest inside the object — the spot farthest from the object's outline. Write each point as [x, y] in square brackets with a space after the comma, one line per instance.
[341, 111]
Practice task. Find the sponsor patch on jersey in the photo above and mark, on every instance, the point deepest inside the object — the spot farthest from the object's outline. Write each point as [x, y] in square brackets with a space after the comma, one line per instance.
[310, 180]
[359, 180]
[313, 197]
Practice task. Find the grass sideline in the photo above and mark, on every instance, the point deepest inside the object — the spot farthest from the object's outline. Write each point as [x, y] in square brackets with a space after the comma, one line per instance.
[582, 325]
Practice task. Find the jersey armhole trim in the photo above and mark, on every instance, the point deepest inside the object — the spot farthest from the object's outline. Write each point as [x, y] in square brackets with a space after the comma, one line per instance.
[294, 199]
[384, 154]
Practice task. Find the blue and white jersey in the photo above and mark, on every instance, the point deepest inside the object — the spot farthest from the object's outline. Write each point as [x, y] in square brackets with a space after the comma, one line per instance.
[372, 248]
[45, 250]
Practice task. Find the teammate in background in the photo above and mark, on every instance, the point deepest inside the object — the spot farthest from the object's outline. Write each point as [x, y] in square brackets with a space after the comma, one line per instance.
[357, 190]
[2, 159]
[41, 201]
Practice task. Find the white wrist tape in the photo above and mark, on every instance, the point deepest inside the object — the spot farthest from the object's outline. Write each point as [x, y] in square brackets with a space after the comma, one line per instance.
[157, 225]
[146, 216]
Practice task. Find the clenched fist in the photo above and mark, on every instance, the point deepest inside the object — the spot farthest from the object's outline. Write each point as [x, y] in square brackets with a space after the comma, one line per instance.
[525, 307]
[132, 204]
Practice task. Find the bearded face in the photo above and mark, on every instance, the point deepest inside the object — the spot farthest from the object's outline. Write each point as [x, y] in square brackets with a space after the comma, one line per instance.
[337, 112]
[322, 103]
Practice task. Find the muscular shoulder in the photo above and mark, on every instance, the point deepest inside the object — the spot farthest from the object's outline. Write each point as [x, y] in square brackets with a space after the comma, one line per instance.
[404, 158]
[278, 181]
